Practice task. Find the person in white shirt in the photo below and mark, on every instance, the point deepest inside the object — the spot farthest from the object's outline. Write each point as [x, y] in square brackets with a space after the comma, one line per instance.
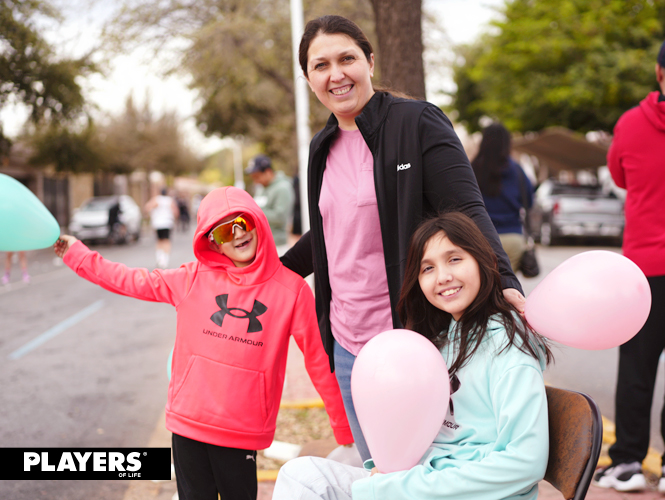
[163, 212]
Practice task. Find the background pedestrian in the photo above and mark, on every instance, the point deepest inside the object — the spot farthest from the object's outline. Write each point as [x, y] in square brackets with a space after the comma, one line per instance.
[23, 261]
[502, 182]
[636, 160]
[163, 212]
[275, 196]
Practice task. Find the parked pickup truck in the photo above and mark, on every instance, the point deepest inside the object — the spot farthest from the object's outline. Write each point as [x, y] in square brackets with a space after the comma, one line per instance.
[574, 211]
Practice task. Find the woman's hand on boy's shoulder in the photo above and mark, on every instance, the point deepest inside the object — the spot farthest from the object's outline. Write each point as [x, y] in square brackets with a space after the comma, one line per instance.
[514, 296]
[63, 244]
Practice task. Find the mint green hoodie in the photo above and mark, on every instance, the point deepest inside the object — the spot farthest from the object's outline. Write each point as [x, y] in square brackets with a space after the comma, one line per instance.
[494, 446]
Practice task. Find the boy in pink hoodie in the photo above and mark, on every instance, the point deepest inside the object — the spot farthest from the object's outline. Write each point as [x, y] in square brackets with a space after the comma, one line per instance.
[237, 306]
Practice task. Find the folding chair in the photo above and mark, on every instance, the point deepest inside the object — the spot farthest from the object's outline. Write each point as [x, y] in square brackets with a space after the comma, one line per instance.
[576, 436]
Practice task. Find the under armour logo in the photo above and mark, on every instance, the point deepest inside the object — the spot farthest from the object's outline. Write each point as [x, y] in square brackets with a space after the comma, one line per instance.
[257, 310]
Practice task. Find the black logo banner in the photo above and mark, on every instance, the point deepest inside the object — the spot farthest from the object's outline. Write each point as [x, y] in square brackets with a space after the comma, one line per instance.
[85, 463]
[254, 324]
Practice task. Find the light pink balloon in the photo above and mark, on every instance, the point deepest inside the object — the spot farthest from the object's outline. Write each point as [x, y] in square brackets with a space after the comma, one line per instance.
[401, 392]
[594, 300]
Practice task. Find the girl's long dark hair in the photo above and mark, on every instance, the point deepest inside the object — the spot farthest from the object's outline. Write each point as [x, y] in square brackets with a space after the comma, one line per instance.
[417, 314]
[492, 159]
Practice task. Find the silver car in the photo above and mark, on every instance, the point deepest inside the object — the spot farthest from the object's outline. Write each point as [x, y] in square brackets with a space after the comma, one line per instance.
[576, 211]
[114, 219]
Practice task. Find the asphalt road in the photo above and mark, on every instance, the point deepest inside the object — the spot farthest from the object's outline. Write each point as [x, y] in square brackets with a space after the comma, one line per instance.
[100, 379]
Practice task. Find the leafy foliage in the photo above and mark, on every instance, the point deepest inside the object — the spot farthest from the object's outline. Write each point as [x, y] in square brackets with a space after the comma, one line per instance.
[238, 54]
[29, 69]
[573, 63]
[67, 150]
[134, 140]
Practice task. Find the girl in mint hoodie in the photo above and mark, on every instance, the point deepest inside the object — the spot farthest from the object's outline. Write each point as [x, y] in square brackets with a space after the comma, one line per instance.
[237, 308]
[493, 443]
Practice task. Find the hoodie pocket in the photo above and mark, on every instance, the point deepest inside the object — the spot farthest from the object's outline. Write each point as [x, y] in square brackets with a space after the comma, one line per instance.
[220, 395]
[366, 192]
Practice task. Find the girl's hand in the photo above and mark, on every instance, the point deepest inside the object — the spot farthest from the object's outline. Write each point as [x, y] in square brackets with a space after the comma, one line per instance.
[374, 471]
[515, 298]
[62, 245]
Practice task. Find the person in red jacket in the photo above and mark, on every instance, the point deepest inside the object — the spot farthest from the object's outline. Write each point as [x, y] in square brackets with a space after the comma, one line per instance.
[237, 307]
[636, 161]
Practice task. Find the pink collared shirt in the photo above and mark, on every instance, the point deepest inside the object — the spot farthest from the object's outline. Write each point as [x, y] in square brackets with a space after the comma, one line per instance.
[360, 304]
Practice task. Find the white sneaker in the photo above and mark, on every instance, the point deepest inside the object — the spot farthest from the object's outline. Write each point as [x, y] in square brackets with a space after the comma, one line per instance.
[622, 477]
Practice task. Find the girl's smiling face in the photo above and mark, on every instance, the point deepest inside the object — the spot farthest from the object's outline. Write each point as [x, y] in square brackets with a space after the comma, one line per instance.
[340, 75]
[449, 276]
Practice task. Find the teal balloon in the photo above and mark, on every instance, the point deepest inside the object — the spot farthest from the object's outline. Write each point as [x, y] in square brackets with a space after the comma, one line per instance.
[25, 223]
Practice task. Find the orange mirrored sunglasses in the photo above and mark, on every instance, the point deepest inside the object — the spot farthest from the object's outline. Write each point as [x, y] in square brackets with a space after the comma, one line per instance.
[223, 233]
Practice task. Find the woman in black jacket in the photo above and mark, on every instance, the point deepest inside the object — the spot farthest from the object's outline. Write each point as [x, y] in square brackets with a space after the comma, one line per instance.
[379, 167]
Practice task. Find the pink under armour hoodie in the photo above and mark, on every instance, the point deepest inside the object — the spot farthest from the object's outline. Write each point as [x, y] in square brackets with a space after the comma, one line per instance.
[233, 331]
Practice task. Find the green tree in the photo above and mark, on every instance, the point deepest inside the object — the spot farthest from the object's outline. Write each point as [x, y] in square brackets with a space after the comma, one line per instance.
[66, 149]
[132, 140]
[238, 55]
[573, 63]
[30, 72]
[137, 140]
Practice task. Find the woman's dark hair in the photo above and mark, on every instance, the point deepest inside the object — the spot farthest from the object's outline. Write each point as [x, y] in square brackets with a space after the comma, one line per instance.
[492, 159]
[332, 25]
[417, 314]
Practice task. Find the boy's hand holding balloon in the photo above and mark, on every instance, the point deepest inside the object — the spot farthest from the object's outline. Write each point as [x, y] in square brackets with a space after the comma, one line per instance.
[25, 223]
[62, 245]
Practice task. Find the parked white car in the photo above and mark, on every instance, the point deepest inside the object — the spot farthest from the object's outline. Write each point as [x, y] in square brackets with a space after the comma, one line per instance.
[99, 219]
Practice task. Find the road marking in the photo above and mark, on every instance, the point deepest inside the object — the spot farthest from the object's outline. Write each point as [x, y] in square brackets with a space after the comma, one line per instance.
[57, 329]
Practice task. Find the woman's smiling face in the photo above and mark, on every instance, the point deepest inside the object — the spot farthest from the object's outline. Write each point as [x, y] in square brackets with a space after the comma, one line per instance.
[341, 76]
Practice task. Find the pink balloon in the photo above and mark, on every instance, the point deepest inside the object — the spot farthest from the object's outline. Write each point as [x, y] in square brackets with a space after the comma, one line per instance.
[594, 300]
[401, 392]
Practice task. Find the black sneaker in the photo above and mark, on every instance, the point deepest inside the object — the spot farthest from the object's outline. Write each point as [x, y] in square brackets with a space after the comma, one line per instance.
[621, 477]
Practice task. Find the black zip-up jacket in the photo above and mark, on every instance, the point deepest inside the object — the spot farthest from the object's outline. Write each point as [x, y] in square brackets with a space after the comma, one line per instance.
[420, 168]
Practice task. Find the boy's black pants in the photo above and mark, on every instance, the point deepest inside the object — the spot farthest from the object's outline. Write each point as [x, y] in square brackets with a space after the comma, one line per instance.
[203, 470]
[638, 365]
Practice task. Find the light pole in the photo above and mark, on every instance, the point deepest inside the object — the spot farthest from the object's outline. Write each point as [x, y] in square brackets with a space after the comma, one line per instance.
[302, 110]
[234, 145]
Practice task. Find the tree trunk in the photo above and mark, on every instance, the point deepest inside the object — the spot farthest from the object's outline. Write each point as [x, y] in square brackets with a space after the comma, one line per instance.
[400, 54]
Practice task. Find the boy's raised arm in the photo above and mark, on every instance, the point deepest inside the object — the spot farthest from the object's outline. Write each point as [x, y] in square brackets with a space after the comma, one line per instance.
[156, 286]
